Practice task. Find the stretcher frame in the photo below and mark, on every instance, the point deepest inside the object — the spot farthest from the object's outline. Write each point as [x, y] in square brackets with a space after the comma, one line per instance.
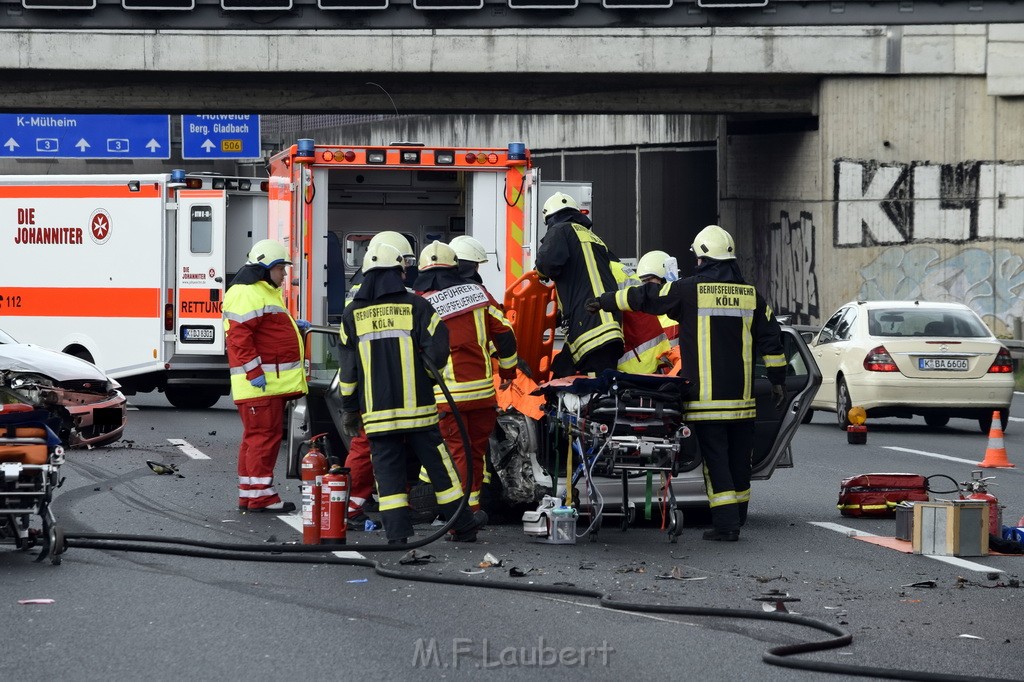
[623, 424]
[30, 460]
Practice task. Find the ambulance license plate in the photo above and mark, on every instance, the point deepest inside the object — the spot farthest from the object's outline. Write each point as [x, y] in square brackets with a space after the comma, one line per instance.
[947, 364]
[199, 334]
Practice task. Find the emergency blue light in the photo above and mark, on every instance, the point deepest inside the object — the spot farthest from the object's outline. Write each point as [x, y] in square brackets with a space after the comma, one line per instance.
[516, 151]
[305, 146]
[177, 178]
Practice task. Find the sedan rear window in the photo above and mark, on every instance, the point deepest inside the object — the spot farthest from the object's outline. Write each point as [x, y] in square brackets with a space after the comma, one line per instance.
[926, 322]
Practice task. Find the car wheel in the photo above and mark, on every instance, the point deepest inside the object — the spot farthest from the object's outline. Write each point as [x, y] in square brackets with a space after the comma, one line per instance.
[808, 416]
[985, 423]
[936, 421]
[843, 403]
[191, 398]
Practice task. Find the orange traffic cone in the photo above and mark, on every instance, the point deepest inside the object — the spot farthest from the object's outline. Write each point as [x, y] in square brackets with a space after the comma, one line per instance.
[995, 453]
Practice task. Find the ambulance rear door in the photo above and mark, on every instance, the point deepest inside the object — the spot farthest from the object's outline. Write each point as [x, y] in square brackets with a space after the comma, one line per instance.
[200, 272]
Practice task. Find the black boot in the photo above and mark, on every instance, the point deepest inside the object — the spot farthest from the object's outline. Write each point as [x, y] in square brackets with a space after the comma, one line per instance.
[467, 531]
[722, 535]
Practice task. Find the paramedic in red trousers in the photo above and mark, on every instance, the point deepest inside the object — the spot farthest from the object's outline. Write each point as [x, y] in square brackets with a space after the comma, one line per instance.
[722, 322]
[578, 262]
[475, 324]
[358, 458]
[386, 331]
[264, 348]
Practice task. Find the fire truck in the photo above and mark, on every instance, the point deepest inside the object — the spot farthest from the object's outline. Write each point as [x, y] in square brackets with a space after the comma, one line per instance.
[128, 272]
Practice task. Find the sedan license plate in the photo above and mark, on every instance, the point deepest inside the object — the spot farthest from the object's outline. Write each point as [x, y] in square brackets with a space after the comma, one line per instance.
[953, 364]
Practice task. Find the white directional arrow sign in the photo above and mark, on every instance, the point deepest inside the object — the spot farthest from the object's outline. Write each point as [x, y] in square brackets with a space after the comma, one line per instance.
[82, 145]
[208, 146]
[152, 145]
[11, 144]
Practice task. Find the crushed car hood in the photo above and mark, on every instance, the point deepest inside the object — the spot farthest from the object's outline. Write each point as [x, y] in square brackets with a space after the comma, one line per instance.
[23, 357]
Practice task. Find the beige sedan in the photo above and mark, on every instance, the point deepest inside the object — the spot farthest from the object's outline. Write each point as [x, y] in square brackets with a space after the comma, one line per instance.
[907, 358]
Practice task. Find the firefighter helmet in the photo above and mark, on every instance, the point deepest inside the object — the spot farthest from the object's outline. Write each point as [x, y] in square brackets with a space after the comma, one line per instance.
[652, 263]
[438, 255]
[394, 239]
[469, 248]
[380, 256]
[268, 253]
[714, 242]
[557, 202]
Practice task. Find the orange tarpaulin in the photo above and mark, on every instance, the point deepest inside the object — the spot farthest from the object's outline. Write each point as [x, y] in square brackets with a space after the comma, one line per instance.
[517, 396]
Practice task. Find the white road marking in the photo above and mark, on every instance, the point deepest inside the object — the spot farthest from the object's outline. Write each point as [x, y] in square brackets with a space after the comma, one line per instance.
[1017, 419]
[952, 560]
[187, 448]
[973, 462]
[295, 521]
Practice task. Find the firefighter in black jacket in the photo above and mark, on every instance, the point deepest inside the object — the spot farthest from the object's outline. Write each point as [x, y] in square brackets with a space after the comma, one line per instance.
[385, 388]
[723, 321]
[578, 262]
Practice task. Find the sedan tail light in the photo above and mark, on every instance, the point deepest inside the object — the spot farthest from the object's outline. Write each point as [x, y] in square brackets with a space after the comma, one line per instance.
[879, 360]
[1002, 364]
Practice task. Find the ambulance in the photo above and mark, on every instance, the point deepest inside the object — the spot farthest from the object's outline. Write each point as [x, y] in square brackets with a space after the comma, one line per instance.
[128, 272]
[327, 201]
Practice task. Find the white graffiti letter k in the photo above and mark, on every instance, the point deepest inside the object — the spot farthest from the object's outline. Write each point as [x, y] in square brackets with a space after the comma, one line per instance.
[859, 214]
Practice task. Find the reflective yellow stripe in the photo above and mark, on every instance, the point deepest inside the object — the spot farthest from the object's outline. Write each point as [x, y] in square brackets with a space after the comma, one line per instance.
[449, 495]
[453, 475]
[722, 499]
[388, 502]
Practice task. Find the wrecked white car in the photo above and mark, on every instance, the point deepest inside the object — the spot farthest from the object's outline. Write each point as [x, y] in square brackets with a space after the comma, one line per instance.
[87, 405]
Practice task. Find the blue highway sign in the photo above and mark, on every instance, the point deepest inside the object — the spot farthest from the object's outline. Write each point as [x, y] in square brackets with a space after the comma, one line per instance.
[85, 136]
[220, 136]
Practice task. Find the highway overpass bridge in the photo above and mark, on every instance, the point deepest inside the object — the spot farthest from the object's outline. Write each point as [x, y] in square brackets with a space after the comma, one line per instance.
[865, 149]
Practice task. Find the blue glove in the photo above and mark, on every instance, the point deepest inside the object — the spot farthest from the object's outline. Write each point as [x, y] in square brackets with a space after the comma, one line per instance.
[303, 325]
[259, 382]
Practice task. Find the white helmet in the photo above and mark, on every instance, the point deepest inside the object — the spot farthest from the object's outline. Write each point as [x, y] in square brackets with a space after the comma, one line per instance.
[438, 255]
[398, 241]
[714, 242]
[652, 263]
[557, 202]
[380, 256]
[268, 253]
[469, 248]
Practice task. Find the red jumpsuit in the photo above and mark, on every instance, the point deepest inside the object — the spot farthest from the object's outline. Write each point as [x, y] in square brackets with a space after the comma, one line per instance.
[476, 328]
[261, 339]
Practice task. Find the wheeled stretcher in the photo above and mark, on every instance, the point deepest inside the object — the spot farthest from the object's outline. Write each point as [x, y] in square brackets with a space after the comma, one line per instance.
[30, 459]
[623, 425]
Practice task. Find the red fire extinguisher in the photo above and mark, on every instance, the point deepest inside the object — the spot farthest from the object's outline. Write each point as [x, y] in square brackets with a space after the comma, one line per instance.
[311, 470]
[334, 506]
[977, 489]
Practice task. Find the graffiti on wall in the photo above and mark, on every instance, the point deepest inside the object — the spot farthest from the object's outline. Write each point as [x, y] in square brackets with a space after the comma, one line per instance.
[878, 204]
[917, 208]
[790, 262]
[992, 283]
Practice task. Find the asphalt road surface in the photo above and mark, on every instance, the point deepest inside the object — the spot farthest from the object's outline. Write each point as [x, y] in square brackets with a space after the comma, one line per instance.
[132, 614]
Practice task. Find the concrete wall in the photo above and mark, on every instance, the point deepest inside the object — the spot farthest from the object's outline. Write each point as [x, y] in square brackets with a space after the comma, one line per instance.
[917, 191]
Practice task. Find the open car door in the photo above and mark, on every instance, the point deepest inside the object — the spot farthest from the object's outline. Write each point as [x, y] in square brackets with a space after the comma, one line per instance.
[775, 430]
[320, 410]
